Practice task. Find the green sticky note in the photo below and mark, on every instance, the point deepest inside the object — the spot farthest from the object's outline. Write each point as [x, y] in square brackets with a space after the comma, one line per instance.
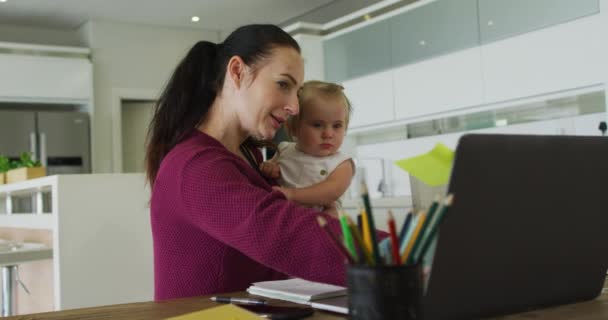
[432, 168]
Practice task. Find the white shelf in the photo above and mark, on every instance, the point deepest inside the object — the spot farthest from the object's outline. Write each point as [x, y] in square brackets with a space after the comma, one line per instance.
[27, 221]
[96, 221]
[44, 183]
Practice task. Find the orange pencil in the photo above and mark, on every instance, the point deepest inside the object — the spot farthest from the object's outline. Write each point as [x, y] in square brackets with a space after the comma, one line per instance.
[337, 243]
[393, 234]
[412, 240]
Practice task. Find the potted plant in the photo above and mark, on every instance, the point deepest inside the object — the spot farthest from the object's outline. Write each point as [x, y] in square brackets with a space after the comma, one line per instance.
[25, 168]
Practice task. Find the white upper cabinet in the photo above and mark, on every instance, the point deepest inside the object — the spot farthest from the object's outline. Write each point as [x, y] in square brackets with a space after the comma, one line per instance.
[372, 99]
[562, 57]
[33, 78]
[441, 84]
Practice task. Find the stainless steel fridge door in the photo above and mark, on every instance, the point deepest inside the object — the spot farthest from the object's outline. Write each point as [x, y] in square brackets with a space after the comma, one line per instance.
[64, 142]
[17, 133]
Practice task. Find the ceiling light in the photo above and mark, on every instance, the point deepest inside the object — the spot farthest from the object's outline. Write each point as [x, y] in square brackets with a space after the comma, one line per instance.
[367, 17]
[422, 43]
[490, 23]
[2, 0]
[194, 18]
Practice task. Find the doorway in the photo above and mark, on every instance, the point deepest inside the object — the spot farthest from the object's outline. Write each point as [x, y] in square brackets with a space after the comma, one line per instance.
[135, 119]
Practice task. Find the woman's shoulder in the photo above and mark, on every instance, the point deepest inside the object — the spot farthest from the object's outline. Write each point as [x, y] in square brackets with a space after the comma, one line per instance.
[197, 147]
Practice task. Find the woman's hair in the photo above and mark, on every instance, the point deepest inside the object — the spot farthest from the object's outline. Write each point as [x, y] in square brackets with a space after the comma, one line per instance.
[310, 93]
[196, 82]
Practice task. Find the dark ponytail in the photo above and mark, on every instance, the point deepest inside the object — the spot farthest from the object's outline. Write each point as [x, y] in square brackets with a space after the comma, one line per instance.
[196, 82]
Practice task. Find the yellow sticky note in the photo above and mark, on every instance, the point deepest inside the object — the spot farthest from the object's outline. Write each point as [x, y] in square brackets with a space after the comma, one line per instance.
[225, 312]
[432, 168]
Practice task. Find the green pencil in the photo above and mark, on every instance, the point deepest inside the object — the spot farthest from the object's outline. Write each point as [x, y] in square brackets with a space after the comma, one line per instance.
[425, 226]
[428, 239]
[348, 238]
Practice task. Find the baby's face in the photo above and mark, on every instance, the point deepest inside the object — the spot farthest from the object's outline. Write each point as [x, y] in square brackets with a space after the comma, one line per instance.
[322, 127]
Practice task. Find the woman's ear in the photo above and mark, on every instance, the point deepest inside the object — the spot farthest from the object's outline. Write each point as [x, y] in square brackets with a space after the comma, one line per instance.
[236, 71]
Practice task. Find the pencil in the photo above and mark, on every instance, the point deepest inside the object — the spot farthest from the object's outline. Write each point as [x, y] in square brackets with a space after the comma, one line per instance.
[435, 227]
[424, 229]
[357, 235]
[406, 225]
[367, 240]
[410, 230]
[334, 240]
[347, 236]
[393, 234]
[412, 240]
[370, 222]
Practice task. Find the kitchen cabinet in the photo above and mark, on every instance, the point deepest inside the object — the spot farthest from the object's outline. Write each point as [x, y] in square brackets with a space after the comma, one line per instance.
[438, 85]
[372, 99]
[499, 19]
[562, 57]
[35, 78]
[434, 29]
[363, 51]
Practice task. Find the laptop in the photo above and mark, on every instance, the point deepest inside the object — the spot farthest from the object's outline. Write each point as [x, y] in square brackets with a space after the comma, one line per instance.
[528, 227]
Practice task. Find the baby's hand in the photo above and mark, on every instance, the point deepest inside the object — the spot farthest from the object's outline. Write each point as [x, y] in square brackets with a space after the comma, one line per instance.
[270, 169]
[287, 192]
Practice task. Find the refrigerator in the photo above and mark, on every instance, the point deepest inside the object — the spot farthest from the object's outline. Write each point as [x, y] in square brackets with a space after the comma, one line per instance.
[60, 140]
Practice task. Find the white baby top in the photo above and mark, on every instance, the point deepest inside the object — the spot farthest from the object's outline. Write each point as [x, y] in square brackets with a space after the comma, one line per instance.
[299, 169]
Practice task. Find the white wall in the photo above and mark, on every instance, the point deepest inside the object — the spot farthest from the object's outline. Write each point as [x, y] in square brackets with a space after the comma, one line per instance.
[130, 57]
[312, 51]
[46, 36]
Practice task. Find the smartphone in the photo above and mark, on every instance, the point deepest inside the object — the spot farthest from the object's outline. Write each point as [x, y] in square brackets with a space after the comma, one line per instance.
[279, 313]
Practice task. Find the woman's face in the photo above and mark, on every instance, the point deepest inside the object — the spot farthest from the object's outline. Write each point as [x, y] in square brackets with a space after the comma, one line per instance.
[270, 93]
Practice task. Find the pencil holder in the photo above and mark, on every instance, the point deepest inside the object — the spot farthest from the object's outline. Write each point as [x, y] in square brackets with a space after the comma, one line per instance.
[385, 292]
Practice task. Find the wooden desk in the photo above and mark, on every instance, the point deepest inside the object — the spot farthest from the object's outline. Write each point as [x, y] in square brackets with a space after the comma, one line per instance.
[596, 309]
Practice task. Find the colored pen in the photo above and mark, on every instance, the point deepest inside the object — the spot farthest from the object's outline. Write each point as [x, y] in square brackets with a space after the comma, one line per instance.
[249, 301]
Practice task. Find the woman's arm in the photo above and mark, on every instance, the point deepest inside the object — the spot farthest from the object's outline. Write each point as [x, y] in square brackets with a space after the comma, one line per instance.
[325, 192]
[232, 203]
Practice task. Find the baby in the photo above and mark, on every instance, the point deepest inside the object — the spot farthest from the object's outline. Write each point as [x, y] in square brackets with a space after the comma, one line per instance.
[312, 171]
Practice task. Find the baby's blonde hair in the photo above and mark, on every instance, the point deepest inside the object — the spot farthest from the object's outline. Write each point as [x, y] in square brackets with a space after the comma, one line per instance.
[314, 89]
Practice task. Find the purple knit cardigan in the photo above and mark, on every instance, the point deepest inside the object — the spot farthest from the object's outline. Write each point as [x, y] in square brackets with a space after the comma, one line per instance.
[218, 226]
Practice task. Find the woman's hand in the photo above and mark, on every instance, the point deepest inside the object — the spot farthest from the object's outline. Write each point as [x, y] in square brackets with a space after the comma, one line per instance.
[270, 169]
[332, 210]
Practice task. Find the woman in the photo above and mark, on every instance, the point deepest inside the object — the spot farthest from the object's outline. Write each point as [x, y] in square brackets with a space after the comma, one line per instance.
[217, 224]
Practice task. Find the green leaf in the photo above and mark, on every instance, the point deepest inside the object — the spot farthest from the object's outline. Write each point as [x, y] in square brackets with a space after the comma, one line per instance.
[4, 164]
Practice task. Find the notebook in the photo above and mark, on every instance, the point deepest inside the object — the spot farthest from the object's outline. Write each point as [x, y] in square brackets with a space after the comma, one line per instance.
[335, 304]
[527, 228]
[296, 290]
